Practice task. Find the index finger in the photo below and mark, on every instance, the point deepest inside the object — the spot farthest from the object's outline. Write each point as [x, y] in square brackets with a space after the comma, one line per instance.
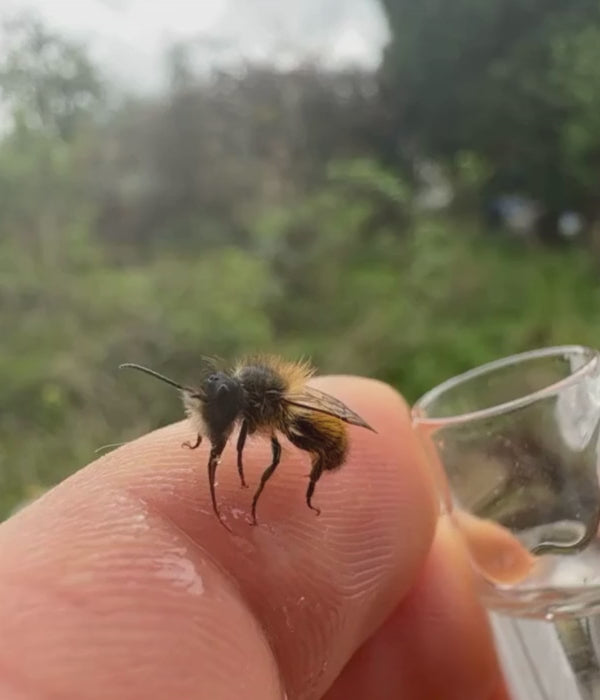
[122, 583]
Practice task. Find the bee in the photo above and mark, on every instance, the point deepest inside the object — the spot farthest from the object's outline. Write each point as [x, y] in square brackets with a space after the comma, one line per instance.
[266, 396]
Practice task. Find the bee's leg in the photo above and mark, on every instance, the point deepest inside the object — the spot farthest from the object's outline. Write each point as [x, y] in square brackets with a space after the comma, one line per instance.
[276, 450]
[195, 445]
[240, 448]
[213, 463]
[315, 475]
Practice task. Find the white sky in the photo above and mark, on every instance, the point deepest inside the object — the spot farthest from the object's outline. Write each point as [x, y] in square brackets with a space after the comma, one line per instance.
[128, 37]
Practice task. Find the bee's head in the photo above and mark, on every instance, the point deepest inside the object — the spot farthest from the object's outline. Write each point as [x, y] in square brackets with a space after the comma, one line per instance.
[222, 397]
[219, 388]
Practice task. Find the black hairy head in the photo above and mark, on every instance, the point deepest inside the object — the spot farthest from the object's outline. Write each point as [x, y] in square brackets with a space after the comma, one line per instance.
[222, 396]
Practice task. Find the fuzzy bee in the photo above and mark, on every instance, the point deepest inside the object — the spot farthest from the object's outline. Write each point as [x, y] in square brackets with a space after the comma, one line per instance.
[265, 395]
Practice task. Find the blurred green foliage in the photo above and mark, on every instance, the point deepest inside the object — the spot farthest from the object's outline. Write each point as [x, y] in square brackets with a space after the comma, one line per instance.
[247, 211]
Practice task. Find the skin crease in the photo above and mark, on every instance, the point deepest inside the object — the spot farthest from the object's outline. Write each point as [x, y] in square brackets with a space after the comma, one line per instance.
[120, 582]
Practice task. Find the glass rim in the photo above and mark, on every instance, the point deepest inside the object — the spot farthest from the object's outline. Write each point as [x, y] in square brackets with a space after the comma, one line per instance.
[419, 416]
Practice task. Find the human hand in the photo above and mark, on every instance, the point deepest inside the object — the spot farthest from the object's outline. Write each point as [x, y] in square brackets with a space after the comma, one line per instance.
[121, 583]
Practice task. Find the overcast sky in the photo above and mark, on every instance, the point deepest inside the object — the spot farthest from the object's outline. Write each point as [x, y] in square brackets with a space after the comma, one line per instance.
[128, 37]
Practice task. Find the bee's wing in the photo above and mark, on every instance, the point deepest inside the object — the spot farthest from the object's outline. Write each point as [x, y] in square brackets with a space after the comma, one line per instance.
[320, 401]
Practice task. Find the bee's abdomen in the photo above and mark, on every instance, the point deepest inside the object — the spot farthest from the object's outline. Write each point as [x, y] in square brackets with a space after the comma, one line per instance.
[319, 433]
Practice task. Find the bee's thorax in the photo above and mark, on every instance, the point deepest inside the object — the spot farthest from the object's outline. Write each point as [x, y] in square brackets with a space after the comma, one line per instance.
[263, 390]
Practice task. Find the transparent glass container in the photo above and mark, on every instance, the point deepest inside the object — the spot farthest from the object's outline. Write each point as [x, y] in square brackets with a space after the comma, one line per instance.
[515, 444]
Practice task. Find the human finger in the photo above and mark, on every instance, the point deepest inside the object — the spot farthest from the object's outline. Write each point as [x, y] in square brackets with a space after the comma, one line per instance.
[120, 582]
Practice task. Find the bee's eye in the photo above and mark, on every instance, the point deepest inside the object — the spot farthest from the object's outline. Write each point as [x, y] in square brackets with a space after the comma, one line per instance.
[213, 378]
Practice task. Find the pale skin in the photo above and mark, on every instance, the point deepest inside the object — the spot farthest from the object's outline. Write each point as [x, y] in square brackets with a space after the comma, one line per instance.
[120, 583]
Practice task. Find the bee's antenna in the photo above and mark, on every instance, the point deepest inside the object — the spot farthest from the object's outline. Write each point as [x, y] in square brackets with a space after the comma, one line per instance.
[152, 373]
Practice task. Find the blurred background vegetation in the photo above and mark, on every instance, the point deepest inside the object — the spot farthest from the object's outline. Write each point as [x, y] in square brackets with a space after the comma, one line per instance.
[404, 222]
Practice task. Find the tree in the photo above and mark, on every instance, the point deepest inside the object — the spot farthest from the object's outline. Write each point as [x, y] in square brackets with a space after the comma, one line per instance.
[51, 91]
[47, 81]
[196, 165]
[498, 78]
